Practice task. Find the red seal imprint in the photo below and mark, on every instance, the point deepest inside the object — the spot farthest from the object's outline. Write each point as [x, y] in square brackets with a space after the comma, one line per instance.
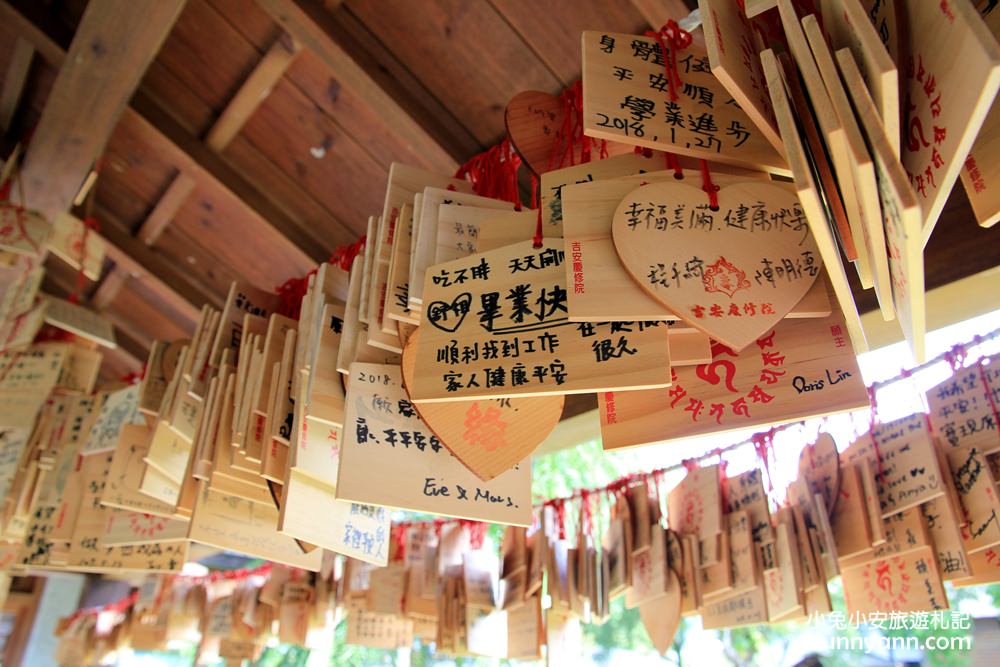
[146, 525]
[887, 584]
[692, 511]
[724, 277]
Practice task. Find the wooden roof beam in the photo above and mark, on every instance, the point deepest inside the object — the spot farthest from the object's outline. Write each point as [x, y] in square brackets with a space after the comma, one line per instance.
[13, 82]
[255, 89]
[114, 44]
[315, 27]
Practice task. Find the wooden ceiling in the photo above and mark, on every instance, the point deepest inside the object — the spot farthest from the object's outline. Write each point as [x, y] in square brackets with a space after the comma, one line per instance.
[258, 136]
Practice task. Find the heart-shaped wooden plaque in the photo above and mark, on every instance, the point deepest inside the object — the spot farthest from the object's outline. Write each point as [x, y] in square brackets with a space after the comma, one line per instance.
[533, 121]
[661, 616]
[733, 272]
[488, 436]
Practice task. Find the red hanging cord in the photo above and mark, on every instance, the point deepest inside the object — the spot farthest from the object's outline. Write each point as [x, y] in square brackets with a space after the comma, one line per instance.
[586, 516]
[723, 479]
[399, 537]
[762, 443]
[710, 188]
[677, 38]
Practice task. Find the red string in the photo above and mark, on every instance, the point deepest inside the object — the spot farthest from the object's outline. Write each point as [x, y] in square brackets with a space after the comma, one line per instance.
[762, 442]
[477, 533]
[493, 173]
[723, 479]
[586, 513]
[399, 536]
[690, 464]
[956, 357]
[292, 291]
[89, 223]
[560, 505]
[678, 39]
[709, 187]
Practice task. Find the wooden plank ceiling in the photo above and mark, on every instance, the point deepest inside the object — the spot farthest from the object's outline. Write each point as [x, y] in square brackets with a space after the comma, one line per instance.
[260, 135]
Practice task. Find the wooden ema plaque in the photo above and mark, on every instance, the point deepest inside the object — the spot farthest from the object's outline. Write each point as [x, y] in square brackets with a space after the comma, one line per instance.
[694, 507]
[488, 436]
[72, 242]
[228, 522]
[384, 433]
[977, 494]
[963, 409]
[734, 53]
[819, 467]
[22, 231]
[121, 489]
[732, 273]
[80, 321]
[626, 98]
[812, 199]
[949, 80]
[900, 216]
[496, 326]
[909, 582]
[801, 369]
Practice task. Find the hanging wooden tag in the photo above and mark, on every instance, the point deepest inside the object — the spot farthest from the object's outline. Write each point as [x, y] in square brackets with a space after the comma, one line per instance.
[961, 409]
[734, 285]
[812, 199]
[900, 216]
[649, 572]
[227, 522]
[743, 557]
[382, 332]
[126, 528]
[487, 436]
[326, 396]
[354, 337]
[624, 83]
[72, 242]
[977, 493]
[117, 409]
[783, 577]
[80, 321]
[945, 110]
[397, 281]
[734, 54]
[121, 489]
[801, 369]
[426, 239]
[466, 230]
[380, 631]
[383, 432]
[717, 578]
[909, 582]
[524, 630]
[694, 507]
[905, 531]
[909, 473]
[602, 289]
[19, 285]
[849, 26]
[819, 466]
[661, 616]
[22, 231]
[748, 608]
[510, 304]
[746, 492]
[979, 170]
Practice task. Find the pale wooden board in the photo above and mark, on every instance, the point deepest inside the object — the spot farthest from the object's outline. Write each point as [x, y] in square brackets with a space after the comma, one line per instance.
[168, 452]
[241, 300]
[909, 473]
[949, 44]
[311, 512]
[326, 398]
[861, 164]
[397, 304]
[732, 138]
[810, 198]
[126, 528]
[226, 522]
[946, 535]
[488, 436]
[354, 339]
[415, 479]
[806, 350]
[834, 135]
[734, 53]
[905, 583]
[427, 241]
[977, 494]
[900, 219]
[640, 356]
[732, 273]
[118, 409]
[602, 289]
[377, 289]
[121, 488]
[80, 370]
[694, 507]
[960, 409]
[22, 231]
[461, 230]
[848, 24]
[19, 332]
[34, 370]
[748, 608]
[67, 242]
[80, 321]
[755, 7]
[366, 266]
[53, 513]
[19, 284]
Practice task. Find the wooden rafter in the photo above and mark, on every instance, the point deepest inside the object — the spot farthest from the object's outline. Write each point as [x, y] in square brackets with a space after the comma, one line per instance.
[114, 44]
[312, 25]
[13, 83]
[658, 12]
[247, 99]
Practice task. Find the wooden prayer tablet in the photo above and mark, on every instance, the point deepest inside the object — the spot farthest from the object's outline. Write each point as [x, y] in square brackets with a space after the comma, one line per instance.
[977, 494]
[126, 528]
[801, 369]
[756, 7]
[694, 507]
[366, 267]
[533, 120]
[386, 438]
[381, 330]
[833, 135]
[819, 466]
[961, 412]
[18, 287]
[397, 307]
[488, 436]
[511, 228]
[861, 165]
[732, 273]
[981, 168]
[900, 217]
[950, 77]
[902, 583]
[22, 231]
[625, 83]
[80, 321]
[226, 522]
[326, 397]
[72, 242]
[426, 239]
[810, 198]
[849, 25]
[749, 608]
[460, 229]
[496, 326]
[661, 616]
[735, 58]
